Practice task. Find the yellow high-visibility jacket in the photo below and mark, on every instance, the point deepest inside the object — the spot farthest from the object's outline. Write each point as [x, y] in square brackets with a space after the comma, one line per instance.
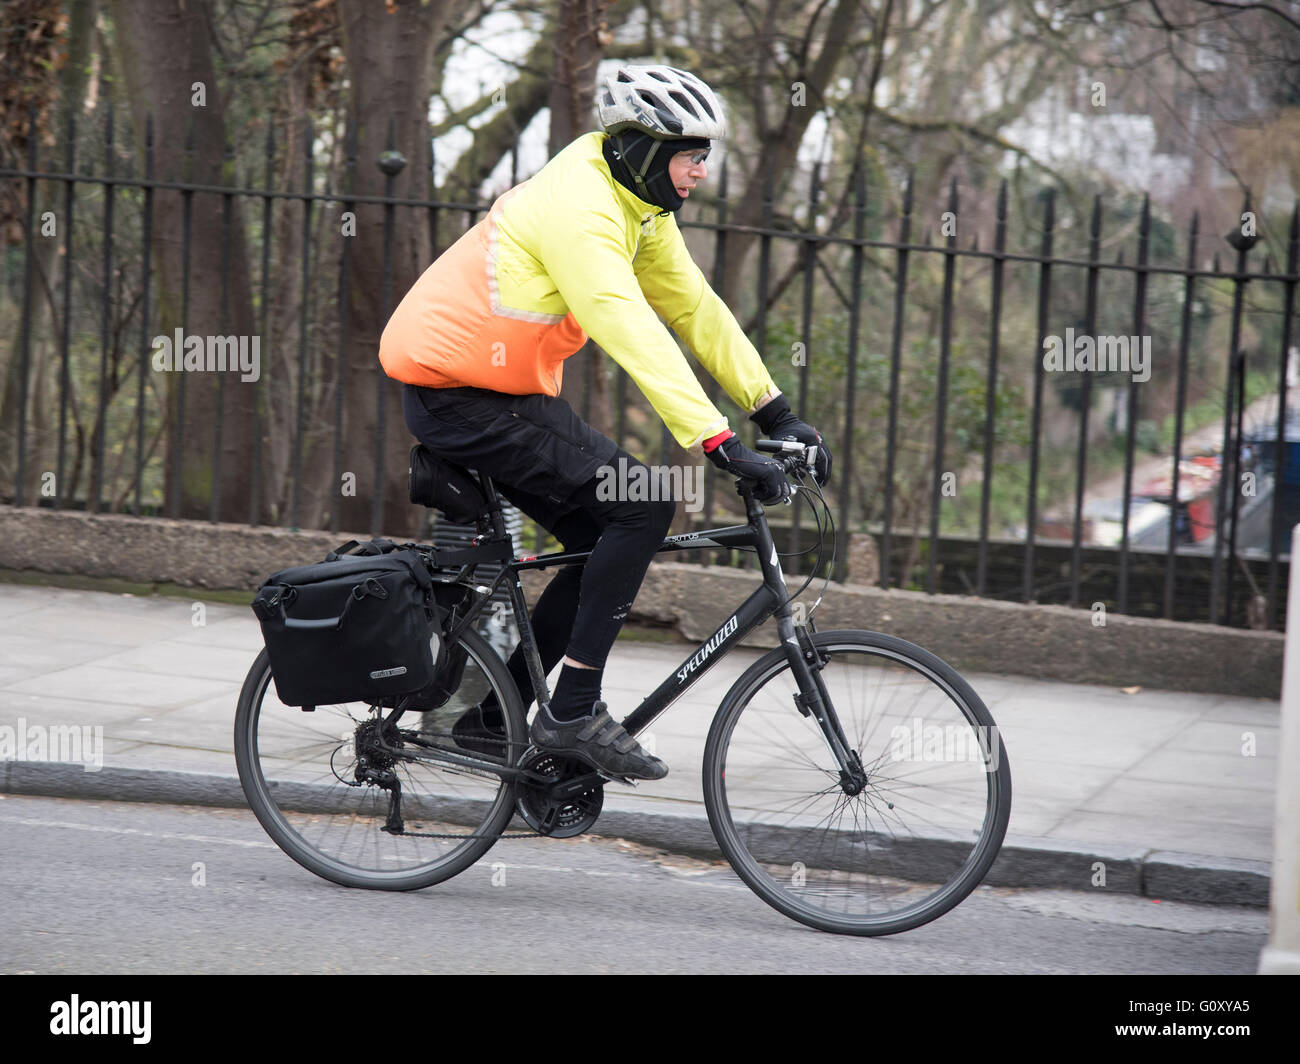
[567, 254]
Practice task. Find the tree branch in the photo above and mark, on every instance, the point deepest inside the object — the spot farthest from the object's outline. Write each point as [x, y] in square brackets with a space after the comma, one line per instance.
[1269, 8]
[956, 125]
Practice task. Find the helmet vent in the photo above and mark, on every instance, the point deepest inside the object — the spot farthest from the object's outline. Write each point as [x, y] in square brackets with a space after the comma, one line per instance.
[699, 96]
[649, 97]
[685, 101]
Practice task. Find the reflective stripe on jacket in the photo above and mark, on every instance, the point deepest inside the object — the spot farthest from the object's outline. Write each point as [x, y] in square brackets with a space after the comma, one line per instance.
[567, 254]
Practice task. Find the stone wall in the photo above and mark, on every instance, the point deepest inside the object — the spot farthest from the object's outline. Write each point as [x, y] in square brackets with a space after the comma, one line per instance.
[1053, 642]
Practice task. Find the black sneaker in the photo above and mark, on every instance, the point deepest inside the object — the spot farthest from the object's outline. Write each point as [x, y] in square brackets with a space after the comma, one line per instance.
[598, 740]
[472, 732]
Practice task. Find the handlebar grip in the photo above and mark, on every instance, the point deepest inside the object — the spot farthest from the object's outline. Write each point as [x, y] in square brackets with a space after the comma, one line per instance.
[795, 457]
[780, 446]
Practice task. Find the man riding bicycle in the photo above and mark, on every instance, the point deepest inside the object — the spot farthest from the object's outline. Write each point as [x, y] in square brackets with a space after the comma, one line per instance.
[588, 246]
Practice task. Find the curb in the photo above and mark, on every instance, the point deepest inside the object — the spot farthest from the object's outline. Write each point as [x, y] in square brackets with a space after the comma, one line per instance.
[1024, 861]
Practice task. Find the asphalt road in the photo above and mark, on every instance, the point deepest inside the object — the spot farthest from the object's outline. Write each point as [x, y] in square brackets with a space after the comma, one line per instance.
[103, 887]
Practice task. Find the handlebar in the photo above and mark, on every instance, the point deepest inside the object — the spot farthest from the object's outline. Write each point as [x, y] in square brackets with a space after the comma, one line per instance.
[795, 457]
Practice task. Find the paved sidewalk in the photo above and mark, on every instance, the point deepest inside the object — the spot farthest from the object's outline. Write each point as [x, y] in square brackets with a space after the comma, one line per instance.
[1155, 784]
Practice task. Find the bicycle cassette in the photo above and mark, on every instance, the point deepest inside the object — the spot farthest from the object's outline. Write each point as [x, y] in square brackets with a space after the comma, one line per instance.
[558, 816]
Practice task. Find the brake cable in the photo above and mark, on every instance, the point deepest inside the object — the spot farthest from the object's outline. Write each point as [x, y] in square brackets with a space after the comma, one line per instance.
[820, 545]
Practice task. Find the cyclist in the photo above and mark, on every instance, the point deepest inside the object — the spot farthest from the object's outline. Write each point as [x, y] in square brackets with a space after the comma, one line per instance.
[588, 246]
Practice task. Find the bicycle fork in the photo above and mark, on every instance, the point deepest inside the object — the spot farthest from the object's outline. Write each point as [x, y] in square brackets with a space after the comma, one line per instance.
[806, 662]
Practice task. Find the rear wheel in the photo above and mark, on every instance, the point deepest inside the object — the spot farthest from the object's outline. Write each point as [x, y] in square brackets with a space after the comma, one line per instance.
[917, 837]
[322, 783]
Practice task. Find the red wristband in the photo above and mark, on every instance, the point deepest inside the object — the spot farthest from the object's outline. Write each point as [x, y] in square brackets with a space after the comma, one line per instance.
[714, 442]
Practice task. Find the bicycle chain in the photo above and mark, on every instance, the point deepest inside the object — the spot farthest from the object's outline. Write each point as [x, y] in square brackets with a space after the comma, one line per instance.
[437, 835]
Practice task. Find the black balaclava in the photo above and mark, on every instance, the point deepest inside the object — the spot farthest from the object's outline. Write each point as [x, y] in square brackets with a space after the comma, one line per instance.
[627, 154]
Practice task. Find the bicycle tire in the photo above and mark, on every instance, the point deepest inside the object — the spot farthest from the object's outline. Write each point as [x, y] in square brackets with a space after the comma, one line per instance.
[293, 769]
[782, 853]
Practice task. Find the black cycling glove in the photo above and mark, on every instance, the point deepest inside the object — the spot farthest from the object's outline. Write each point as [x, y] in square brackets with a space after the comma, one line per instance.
[776, 421]
[732, 456]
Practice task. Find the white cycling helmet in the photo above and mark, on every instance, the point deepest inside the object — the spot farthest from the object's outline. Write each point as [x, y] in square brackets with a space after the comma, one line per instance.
[663, 101]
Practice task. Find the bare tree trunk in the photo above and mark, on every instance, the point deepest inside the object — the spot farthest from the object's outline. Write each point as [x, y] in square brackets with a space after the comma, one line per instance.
[781, 144]
[35, 25]
[164, 51]
[283, 349]
[580, 36]
[44, 378]
[531, 91]
[389, 54]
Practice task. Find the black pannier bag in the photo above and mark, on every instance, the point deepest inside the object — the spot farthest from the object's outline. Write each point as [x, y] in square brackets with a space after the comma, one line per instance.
[353, 628]
[446, 487]
[451, 662]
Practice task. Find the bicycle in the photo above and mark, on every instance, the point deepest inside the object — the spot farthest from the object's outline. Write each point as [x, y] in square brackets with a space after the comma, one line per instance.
[829, 806]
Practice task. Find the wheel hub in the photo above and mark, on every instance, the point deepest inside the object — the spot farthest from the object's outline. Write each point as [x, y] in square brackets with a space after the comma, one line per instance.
[374, 740]
[854, 781]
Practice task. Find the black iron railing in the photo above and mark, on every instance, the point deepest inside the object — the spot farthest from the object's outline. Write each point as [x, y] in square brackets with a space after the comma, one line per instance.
[930, 339]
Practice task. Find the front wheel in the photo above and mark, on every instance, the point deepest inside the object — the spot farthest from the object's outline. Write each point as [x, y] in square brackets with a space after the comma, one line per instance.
[917, 836]
[323, 783]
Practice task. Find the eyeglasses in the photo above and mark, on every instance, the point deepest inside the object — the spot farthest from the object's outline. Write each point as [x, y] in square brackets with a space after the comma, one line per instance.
[699, 156]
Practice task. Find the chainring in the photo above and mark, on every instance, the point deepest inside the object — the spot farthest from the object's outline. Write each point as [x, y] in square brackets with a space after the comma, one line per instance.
[558, 818]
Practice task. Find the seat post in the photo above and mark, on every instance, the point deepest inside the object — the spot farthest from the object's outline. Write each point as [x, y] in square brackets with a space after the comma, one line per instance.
[518, 603]
[499, 530]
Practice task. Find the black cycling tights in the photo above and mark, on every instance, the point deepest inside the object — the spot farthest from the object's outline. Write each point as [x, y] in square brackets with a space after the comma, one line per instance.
[582, 609]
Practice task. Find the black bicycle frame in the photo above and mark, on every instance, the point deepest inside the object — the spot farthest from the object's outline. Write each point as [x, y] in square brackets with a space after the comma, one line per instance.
[772, 597]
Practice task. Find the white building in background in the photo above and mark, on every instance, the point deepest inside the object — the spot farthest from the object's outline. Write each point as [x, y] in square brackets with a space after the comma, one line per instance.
[1121, 146]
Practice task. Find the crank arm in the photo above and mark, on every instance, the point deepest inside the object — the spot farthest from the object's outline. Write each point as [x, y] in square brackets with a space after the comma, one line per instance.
[581, 783]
